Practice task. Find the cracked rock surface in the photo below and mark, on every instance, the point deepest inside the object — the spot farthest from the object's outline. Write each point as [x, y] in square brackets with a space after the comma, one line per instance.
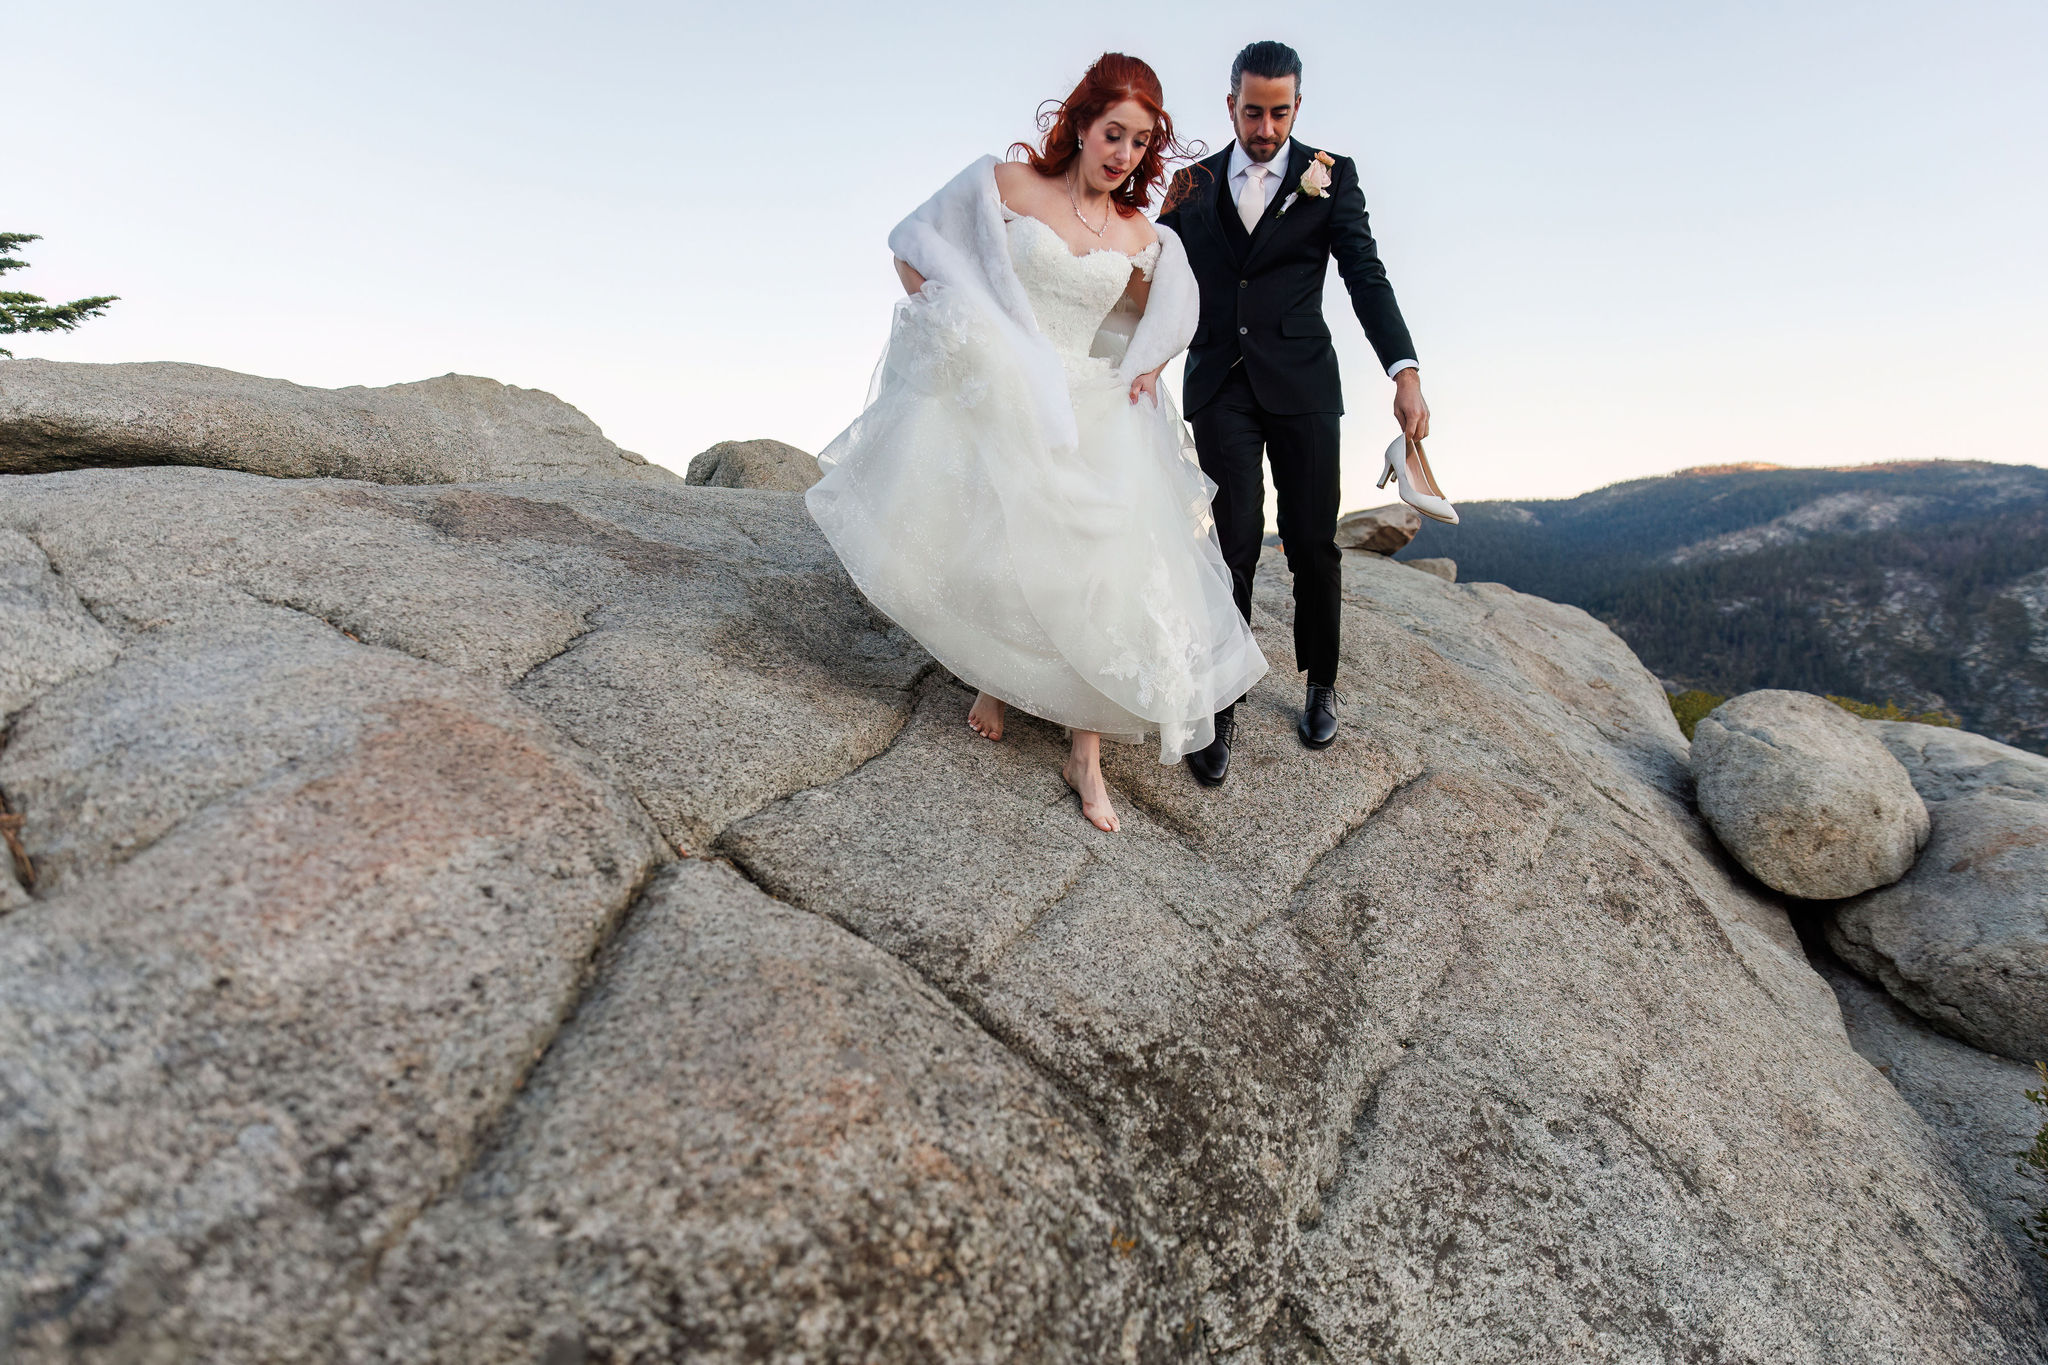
[50, 635]
[754, 1122]
[364, 1010]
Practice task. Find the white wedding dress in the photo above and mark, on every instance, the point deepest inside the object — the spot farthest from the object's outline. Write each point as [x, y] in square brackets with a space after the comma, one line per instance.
[1069, 567]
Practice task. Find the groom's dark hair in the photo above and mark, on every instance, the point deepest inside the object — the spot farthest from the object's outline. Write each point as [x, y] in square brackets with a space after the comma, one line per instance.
[1274, 61]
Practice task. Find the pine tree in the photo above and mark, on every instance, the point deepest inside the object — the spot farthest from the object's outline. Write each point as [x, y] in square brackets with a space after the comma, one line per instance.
[30, 312]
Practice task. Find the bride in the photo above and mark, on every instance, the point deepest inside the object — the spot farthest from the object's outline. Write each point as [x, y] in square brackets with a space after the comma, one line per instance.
[1018, 493]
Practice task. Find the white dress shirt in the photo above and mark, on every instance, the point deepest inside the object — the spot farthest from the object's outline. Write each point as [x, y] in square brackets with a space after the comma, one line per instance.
[1241, 161]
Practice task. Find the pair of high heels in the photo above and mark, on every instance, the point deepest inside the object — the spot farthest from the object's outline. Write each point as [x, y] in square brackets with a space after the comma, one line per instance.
[1409, 468]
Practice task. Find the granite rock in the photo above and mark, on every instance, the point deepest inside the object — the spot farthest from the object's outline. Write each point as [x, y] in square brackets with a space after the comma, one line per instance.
[1962, 940]
[754, 464]
[1378, 530]
[752, 1112]
[250, 1031]
[58, 415]
[366, 1015]
[1805, 796]
[50, 635]
[1974, 1101]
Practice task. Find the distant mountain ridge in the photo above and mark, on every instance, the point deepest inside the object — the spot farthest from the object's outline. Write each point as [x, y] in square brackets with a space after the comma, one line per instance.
[1922, 582]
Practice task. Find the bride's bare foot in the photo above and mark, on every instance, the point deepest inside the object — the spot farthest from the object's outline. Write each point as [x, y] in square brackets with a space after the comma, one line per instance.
[1083, 772]
[986, 718]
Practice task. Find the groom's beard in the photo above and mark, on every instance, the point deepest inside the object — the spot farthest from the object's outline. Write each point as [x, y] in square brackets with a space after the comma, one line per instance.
[1261, 152]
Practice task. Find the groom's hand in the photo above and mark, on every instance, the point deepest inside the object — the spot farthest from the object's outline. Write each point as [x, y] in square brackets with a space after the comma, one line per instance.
[1409, 409]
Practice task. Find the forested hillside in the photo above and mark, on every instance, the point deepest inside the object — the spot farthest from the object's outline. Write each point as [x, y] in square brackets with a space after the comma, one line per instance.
[1922, 583]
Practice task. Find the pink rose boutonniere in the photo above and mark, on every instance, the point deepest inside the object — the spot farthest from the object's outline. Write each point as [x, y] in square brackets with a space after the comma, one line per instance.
[1315, 181]
[1316, 178]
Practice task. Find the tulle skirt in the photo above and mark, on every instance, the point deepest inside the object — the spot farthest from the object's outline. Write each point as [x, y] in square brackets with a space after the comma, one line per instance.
[1083, 585]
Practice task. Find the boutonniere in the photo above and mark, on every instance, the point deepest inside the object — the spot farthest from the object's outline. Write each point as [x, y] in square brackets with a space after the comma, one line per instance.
[1316, 178]
[1314, 181]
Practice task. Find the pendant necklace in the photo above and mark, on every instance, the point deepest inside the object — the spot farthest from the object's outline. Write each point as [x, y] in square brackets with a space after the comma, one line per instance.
[1075, 200]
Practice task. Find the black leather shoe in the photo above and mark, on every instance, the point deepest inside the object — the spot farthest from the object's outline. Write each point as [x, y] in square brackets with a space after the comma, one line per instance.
[1212, 764]
[1319, 716]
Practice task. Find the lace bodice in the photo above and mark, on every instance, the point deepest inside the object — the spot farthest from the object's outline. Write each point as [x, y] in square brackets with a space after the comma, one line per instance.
[1070, 295]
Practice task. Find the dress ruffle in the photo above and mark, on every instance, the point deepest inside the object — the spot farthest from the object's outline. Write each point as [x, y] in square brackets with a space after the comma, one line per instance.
[1081, 583]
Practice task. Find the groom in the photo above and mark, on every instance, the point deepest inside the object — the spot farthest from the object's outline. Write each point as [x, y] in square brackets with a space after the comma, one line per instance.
[1261, 221]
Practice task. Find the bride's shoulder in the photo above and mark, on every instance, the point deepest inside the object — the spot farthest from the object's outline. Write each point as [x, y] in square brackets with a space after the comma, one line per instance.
[1016, 177]
[1140, 233]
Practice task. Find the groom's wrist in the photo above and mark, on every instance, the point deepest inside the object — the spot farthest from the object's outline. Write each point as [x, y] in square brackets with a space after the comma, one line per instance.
[1404, 369]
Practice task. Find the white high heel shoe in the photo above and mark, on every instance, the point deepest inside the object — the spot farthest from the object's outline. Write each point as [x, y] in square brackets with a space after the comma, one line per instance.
[1427, 499]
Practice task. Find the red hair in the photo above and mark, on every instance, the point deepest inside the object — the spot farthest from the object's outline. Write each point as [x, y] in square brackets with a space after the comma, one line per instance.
[1113, 79]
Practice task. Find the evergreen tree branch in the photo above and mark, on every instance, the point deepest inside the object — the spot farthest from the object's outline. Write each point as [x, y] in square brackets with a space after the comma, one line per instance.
[32, 312]
[10, 242]
[29, 313]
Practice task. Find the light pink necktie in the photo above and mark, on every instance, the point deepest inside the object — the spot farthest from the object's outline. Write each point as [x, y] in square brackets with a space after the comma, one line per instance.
[1251, 204]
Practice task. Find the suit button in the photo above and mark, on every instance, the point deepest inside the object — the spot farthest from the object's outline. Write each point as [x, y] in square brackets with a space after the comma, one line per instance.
[1242, 283]
[1244, 331]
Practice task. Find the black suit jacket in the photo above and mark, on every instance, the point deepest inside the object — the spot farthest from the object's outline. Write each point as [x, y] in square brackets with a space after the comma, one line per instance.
[1262, 292]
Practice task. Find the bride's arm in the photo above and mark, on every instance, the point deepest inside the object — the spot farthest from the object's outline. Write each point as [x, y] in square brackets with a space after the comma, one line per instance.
[1173, 305]
[912, 281]
[1137, 296]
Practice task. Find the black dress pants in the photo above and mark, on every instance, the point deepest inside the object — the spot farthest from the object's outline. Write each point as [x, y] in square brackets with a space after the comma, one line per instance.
[1234, 437]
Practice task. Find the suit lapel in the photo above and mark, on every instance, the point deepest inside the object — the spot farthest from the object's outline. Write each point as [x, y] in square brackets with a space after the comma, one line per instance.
[1298, 157]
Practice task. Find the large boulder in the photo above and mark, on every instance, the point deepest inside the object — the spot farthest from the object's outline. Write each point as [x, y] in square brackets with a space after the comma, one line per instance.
[1963, 939]
[1379, 530]
[365, 1010]
[754, 464]
[57, 415]
[1804, 796]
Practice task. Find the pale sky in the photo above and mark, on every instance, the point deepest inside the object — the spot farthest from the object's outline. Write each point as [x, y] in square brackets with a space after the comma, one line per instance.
[1627, 237]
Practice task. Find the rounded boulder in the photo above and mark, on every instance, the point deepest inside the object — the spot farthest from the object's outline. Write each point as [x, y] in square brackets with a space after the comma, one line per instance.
[1805, 796]
[1379, 530]
[764, 464]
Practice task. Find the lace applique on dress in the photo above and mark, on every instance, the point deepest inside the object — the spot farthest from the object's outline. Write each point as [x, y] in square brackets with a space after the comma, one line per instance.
[1144, 262]
[1070, 294]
